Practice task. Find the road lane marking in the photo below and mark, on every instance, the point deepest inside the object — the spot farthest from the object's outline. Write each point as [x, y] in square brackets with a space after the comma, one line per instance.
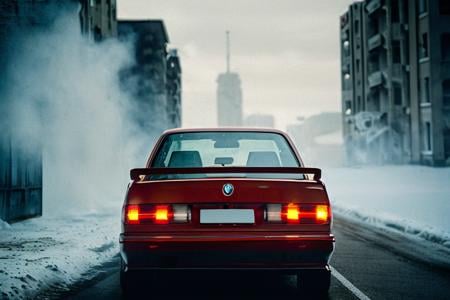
[360, 295]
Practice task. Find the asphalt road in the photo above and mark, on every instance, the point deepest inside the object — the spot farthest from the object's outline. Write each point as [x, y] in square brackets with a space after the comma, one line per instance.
[363, 267]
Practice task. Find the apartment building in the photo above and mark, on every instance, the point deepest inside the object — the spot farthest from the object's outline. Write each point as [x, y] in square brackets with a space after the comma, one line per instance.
[98, 18]
[395, 80]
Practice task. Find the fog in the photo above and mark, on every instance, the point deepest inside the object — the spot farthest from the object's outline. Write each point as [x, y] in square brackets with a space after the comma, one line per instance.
[67, 97]
[286, 53]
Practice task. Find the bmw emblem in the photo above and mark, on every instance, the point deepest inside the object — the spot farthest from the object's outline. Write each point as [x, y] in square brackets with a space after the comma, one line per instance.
[228, 189]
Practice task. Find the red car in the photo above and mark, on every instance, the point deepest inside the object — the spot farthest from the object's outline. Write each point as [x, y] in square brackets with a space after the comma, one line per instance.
[227, 199]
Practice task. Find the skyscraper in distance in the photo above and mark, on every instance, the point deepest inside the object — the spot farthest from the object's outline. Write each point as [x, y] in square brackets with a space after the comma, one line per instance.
[229, 94]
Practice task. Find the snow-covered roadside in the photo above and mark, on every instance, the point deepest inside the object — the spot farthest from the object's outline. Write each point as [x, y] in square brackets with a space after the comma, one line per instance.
[412, 200]
[51, 252]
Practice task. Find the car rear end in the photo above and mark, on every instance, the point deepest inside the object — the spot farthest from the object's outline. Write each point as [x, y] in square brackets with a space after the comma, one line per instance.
[224, 218]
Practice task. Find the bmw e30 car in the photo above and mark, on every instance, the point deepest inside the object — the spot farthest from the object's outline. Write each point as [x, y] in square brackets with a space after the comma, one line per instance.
[227, 199]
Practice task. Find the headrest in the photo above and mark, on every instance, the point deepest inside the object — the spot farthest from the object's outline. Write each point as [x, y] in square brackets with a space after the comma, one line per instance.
[263, 159]
[185, 159]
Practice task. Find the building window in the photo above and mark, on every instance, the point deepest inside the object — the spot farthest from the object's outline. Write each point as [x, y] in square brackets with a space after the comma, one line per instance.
[446, 92]
[427, 136]
[445, 46]
[423, 6]
[444, 7]
[358, 63]
[423, 53]
[426, 90]
[348, 107]
[395, 12]
[356, 26]
[396, 53]
[397, 94]
[346, 46]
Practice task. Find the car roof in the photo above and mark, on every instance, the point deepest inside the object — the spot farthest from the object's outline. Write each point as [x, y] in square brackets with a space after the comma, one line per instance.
[224, 129]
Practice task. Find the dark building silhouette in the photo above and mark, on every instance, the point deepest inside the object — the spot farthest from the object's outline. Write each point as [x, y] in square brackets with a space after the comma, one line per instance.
[154, 81]
[146, 79]
[173, 89]
[395, 66]
[98, 18]
[20, 154]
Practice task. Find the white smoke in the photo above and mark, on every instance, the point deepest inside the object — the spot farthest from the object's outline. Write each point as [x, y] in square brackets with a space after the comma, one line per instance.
[66, 95]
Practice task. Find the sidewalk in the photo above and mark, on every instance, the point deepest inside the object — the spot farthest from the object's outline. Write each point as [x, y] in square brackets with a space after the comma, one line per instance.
[46, 252]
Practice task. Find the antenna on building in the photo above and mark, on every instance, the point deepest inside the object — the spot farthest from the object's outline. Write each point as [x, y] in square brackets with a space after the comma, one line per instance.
[228, 51]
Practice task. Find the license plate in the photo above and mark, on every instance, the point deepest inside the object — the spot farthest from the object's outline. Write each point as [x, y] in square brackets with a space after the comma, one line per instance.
[227, 216]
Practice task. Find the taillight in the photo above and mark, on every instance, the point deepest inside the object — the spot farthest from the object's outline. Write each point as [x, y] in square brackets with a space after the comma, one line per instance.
[132, 214]
[293, 213]
[321, 213]
[157, 214]
[161, 215]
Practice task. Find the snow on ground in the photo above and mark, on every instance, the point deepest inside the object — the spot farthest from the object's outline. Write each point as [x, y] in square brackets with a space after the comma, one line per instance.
[413, 200]
[54, 252]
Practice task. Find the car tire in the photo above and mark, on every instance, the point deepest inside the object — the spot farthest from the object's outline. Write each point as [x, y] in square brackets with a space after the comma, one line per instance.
[132, 281]
[128, 279]
[314, 283]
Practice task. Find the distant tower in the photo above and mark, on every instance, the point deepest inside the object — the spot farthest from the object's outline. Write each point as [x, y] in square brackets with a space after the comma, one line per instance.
[229, 94]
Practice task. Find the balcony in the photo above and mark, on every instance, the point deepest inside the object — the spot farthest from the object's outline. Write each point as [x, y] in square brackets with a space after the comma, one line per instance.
[375, 42]
[373, 6]
[375, 79]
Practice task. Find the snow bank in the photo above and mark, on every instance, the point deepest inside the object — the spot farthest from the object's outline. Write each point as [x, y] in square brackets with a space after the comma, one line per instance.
[4, 225]
[413, 200]
[53, 253]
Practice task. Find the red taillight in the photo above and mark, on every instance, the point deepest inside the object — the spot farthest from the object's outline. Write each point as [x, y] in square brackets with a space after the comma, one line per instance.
[156, 214]
[293, 213]
[161, 215]
[322, 213]
[132, 214]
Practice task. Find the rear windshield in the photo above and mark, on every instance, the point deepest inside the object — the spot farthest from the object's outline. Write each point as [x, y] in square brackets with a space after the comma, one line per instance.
[227, 149]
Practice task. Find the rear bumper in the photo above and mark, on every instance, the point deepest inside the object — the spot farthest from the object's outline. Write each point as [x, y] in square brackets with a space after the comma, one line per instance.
[253, 251]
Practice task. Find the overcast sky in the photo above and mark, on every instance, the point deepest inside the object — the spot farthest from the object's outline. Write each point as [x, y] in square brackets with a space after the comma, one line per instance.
[286, 52]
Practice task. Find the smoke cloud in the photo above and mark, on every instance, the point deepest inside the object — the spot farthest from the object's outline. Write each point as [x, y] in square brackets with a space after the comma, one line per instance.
[65, 95]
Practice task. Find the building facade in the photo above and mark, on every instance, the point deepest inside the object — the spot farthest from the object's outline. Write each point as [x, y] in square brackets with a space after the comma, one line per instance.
[98, 18]
[394, 78]
[173, 89]
[154, 81]
[229, 99]
[20, 154]
[147, 78]
[229, 94]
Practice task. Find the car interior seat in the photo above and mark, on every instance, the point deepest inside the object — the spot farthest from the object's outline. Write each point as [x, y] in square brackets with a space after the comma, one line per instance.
[263, 159]
[185, 159]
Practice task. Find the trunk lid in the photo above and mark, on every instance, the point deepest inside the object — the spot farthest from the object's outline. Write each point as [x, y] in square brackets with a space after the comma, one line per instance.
[207, 194]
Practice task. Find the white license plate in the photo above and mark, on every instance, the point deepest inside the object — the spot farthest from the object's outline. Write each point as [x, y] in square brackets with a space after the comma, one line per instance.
[227, 216]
